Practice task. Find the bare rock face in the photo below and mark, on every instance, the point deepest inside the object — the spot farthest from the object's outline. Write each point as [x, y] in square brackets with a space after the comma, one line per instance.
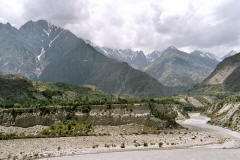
[225, 72]
[226, 115]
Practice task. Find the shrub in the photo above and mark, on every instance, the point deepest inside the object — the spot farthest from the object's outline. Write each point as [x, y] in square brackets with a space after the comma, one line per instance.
[160, 144]
[50, 93]
[107, 145]
[145, 144]
[122, 145]
[137, 145]
[35, 155]
[68, 128]
[95, 146]
[160, 115]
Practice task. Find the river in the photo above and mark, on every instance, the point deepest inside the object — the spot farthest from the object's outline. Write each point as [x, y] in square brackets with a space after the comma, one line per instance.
[230, 150]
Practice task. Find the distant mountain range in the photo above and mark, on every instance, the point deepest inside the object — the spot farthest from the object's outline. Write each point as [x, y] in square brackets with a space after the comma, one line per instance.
[42, 51]
[172, 67]
[180, 69]
[136, 59]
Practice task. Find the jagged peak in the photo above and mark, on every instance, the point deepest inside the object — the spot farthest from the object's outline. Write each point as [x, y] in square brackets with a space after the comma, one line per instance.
[42, 23]
[8, 25]
[205, 54]
[172, 47]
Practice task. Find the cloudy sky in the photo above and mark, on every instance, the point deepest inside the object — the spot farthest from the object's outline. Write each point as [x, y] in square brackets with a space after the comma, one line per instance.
[209, 25]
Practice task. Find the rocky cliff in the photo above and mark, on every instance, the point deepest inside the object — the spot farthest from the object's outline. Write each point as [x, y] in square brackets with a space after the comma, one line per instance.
[225, 114]
[156, 115]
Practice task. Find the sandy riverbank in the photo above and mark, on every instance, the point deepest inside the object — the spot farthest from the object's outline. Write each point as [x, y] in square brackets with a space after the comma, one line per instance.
[48, 147]
[199, 133]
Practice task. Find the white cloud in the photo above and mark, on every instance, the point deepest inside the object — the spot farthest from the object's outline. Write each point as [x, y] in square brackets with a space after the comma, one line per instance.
[139, 24]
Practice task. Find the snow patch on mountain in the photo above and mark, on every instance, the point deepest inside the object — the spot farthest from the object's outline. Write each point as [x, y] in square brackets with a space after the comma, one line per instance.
[50, 44]
[154, 55]
[206, 55]
[42, 53]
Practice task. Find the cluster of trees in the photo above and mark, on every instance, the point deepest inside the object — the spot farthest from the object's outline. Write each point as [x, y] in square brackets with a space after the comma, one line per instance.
[68, 128]
[30, 103]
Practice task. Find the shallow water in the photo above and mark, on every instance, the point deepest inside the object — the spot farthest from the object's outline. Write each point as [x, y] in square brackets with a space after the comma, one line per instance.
[200, 122]
[208, 152]
[177, 154]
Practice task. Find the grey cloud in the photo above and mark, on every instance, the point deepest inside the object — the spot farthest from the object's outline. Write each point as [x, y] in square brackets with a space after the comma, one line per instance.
[147, 28]
[190, 29]
[60, 12]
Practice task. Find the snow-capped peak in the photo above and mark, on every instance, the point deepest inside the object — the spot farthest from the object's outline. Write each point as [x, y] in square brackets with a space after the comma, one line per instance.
[154, 55]
[205, 55]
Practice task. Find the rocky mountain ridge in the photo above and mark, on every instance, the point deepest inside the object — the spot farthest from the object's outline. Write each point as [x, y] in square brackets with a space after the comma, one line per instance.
[180, 69]
[227, 73]
[42, 51]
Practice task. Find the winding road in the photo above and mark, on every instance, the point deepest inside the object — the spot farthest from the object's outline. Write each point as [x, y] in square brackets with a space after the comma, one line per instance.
[230, 150]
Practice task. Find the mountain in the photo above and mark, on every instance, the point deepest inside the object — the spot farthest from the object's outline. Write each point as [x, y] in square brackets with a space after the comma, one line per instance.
[84, 65]
[227, 73]
[229, 54]
[30, 49]
[179, 69]
[14, 57]
[135, 59]
[16, 89]
[153, 56]
[42, 51]
[206, 56]
[47, 42]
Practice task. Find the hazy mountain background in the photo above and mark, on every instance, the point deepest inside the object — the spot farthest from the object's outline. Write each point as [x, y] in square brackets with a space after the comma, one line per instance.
[42, 51]
[172, 67]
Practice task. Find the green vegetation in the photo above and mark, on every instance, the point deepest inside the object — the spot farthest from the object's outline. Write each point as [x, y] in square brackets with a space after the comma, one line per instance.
[68, 128]
[160, 144]
[122, 145]
[50, 93]
[145, 144]
[161, 115]
[19, 92]
[229, 99]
